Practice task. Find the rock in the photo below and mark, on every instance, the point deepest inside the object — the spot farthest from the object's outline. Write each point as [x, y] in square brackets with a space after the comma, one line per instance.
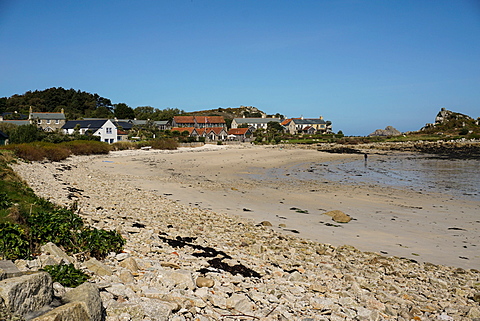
[388, 131]
[339, 216]
[67, 312]
[8, 270]
[473, 313]
[98, 267]
[476, 297]
[130, 264]
[27, 293]
[122, 256]
[203, 282]
[266, 223]
[52, 249]
[170, 265]
[89, 296]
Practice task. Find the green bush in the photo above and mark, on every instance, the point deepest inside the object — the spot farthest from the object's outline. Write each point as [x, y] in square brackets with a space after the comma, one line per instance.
[5, 201]
[164, 143]
[87, 147]
[13, 242]
[66, 274]
[59, 226]
[101, 242]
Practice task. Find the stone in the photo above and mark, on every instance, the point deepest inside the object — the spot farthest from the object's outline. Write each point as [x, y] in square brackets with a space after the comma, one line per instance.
[89, 295]
[26, 293]
[8, 269]
[73, 311]
[130, 264]
[476, 297]
[203, 282]
[98, 267]
[122, 256]
[266, 223]
[52, 249]
[170, 265]
[339, 216]
[473, 313]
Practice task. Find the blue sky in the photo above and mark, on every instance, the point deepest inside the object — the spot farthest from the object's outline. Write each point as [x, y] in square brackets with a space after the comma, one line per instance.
[363, 65]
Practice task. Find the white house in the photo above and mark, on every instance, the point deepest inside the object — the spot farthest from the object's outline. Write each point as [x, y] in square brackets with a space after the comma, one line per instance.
[104, 128]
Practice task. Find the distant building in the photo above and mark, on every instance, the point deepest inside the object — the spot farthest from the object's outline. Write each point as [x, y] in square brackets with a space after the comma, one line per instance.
[255, 123]
[103, 128]
[199, 121]
[308, 125]
[49, 122]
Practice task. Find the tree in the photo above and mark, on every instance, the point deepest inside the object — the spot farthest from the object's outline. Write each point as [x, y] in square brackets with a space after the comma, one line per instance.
[25, 134]
[144, 112]
[123, 111]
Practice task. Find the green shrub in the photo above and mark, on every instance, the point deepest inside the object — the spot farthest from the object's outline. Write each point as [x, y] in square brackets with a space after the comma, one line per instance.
[66, 274]
[100, 242]
[5, 201]
[13, 242]
[59, 226]
[164, 143]
[87, 147]
[124, 146]
[29, 152]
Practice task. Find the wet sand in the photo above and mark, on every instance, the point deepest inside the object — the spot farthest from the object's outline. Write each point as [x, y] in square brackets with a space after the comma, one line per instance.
[268, 184]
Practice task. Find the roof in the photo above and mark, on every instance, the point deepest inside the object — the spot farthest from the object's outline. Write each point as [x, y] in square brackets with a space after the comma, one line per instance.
[216, 130]
[285, 122]
[90, 124]
[256, 120]
[16, 122]
[238, 131]
[308, 121]
[184, 119]
[60, 116]
[182, 129]
[3, 135]
[210, 119]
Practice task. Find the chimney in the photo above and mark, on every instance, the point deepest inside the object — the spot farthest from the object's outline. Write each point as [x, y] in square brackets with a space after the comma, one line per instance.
[321, 117]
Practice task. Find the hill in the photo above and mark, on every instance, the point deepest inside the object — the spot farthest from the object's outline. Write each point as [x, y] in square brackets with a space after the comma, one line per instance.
[452, 123]
[234, 112]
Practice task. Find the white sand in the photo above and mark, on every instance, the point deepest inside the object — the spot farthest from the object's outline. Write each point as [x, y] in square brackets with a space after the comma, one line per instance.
[397, 222]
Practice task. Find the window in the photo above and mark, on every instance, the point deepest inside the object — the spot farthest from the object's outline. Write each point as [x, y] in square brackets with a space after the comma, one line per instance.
[57, 121]
[39, 121]
[48, 121]
[109, 130]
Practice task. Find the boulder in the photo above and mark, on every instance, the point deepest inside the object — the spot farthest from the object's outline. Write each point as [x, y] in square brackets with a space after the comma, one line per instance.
[339, 216]
[98, 267]
[388, 131]
[27, 293]
[68, 312]
[51, 249]
[89, 295]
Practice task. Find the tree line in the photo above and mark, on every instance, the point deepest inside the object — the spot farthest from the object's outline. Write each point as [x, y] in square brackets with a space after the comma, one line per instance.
[78, 104]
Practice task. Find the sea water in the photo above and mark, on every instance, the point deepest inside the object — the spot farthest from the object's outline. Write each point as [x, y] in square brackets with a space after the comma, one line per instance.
[456, 177]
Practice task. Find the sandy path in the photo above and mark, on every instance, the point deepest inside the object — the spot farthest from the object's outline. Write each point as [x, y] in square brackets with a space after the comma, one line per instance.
[238, 181]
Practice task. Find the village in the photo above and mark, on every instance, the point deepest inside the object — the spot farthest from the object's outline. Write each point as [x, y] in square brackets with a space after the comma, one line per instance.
[196, 128]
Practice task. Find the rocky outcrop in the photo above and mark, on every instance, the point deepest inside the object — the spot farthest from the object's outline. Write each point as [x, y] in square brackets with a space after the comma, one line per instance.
[388, 131]
[339, 216]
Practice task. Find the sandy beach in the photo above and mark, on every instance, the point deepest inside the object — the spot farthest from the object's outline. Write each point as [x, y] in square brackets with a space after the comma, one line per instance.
[268, 184]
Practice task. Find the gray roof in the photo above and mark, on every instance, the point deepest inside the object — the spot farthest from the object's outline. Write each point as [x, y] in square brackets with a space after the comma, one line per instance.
[90, 124]
[59, 116]
[256, 120]
[309, 121]
[16, 122]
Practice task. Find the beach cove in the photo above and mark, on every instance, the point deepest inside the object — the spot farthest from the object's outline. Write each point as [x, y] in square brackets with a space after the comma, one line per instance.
[196, 248]
[275, 184]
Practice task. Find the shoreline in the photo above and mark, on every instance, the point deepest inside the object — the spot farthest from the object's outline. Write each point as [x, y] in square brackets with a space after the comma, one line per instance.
[172, 246]
[421, 226]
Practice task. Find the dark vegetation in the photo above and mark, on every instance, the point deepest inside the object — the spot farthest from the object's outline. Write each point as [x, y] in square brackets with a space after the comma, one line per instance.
[28, 221]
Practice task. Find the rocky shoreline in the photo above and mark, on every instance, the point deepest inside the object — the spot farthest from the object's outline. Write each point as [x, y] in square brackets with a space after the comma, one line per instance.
[445, 149]
[187, 263]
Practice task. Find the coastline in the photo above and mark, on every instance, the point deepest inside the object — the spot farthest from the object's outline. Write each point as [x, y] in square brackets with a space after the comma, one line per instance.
[267, 184]
[391, 221]
[284, 275]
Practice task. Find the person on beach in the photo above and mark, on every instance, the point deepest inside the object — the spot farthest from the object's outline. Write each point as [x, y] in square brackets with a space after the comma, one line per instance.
[365, 156]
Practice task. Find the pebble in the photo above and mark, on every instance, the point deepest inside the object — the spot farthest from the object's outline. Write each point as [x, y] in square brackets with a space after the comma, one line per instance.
[230, 266]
